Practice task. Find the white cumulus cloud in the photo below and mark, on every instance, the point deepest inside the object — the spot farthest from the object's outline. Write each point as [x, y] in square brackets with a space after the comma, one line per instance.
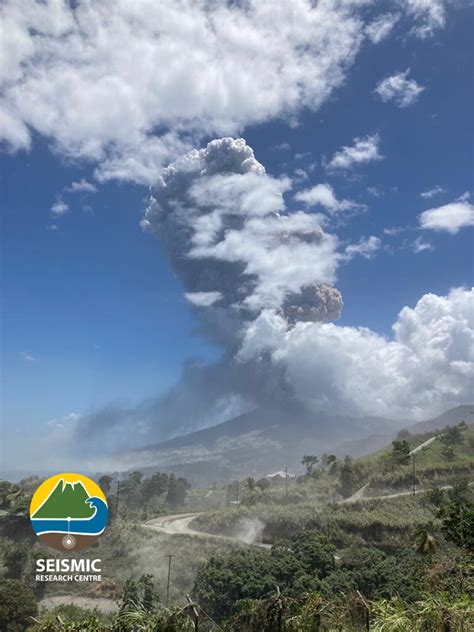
[131, 85]
[399, 88]
[363, 151]
[323, 195]
[426, 368]
[366, 247]
[59, 208]
[420, 245]
[449, 217]
[82, 186]
[203, 299]
[429, 15]
[430, 193]
[100, 78]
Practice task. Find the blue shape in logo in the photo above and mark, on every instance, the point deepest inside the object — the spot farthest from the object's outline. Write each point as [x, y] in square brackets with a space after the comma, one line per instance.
[94, 525]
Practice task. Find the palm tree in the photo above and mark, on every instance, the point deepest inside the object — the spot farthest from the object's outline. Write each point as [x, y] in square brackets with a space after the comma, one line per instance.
[250, 484]
[309, 462]
[425, 542]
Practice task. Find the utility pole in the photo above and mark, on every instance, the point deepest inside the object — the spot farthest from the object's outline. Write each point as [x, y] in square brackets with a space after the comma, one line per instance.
[117, 505]
[237, 490]
[414, 474]
[286, 482]
[169, 576]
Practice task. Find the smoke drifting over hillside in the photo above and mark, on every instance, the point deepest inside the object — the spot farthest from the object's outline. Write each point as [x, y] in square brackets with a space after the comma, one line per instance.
[260, 279]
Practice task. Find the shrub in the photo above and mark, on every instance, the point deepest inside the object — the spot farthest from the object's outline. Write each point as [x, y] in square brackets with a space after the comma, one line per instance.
[17, 606]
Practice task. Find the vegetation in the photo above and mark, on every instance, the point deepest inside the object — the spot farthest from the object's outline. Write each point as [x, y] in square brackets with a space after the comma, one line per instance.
[17, 605]
[334, 562]
[380, 522]
[443, 462]
[142, 497]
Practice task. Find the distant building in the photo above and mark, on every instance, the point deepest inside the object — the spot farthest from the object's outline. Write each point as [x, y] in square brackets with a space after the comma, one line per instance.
[281, 475]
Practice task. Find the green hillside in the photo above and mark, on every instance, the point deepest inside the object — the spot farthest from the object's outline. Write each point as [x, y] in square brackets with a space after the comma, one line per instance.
[66, 499]
[444, 461]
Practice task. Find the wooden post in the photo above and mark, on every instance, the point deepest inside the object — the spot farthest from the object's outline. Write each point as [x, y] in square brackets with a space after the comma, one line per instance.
[169, 576]
[367, 611]
[414, 474]
[193, 613]
[117, 505]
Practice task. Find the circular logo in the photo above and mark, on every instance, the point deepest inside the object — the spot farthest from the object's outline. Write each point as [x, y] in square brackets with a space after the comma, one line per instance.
[68, 512]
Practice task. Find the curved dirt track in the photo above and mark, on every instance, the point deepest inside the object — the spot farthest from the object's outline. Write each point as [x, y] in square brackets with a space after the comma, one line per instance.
[178, 524]
[89, 603]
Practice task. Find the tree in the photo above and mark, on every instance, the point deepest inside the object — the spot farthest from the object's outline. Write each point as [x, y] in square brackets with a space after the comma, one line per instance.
[451, 436]
[314, 551]
[295, 565]
[139, 594]
[16, 559]
[227, 579]
[135, 478]
[423, 539]
[309, 461]
[437, 496]
[177, 490]
[154, 486]
[251, 491]
[349, 474]
[250, 484]
[458, 523]
[461, 491]
[263, 484]
[361, 568]
[400, 452]
[105, 483]
[17, 606]
[130, 490]
[327, 460]
[404, 434]
[447, 451]
[332, 463]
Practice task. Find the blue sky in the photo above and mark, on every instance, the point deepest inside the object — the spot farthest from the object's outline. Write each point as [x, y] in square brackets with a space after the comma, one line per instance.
[94, 311]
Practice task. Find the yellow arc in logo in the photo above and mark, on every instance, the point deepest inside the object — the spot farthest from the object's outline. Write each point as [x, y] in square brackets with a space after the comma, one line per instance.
[45, 489]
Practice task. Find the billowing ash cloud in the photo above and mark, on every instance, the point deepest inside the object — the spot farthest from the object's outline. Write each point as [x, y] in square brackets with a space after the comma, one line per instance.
[314, 303]
[260, 279]
[223, 224]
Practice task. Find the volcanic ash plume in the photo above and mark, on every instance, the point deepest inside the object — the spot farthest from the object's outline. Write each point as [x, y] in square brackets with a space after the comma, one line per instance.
[260, 281]
[223, 223]
[320, 302]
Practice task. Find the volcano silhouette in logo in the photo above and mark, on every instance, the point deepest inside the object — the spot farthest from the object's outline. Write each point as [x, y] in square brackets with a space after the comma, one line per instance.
[68, 512]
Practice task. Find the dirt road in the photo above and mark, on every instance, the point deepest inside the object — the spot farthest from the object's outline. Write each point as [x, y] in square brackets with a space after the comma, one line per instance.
[423, 445]
[89, 603]
[179, 525]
